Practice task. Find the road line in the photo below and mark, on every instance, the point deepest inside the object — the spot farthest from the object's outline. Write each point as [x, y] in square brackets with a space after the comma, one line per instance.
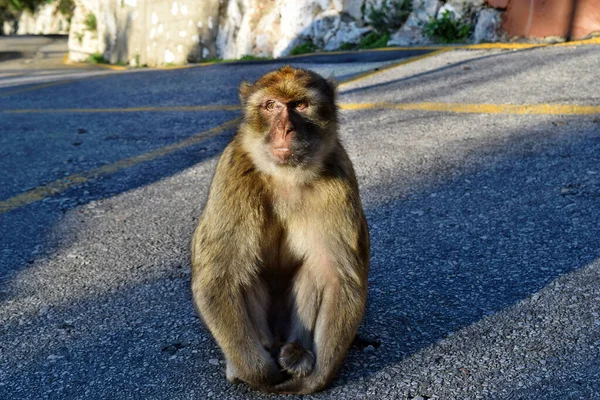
[520, 109]
[123, 110]
[61, 185]
[474, 108]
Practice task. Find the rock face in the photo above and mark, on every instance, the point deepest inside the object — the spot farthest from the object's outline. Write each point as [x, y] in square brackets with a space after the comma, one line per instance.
[46, 20]
[488, 25]
[412, 31]
[158, 32]
[274, 28]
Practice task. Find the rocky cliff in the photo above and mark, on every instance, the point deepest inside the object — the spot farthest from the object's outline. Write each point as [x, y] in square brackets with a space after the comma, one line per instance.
[159, 32]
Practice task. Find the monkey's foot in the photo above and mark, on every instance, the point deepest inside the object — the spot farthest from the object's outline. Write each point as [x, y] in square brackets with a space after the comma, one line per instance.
[296, 360]
[231, 374]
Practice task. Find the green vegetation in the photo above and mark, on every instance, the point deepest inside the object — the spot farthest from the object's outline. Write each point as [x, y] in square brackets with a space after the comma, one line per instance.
[65, 7]
[374, 40]
[90, 22]
[97, 58]
[347, 46]
[304, 48]
[12, 7]
[447, 29]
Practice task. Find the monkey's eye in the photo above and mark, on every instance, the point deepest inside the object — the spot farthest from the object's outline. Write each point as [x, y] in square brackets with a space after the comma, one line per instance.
[270, 105]
[301, 105]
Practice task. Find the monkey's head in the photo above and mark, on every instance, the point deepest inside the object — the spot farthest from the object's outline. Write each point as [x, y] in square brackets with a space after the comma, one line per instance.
[290, 119]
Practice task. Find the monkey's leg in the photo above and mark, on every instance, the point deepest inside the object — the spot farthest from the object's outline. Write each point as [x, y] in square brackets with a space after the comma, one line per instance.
[297, 355]
[229, 317]
[339, 316]
[257, 301]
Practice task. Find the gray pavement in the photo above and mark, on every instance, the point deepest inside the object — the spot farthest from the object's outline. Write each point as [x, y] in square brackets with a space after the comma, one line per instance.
[485, 270]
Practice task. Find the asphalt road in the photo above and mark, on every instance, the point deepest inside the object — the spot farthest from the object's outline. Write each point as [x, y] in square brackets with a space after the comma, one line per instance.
[480, 177]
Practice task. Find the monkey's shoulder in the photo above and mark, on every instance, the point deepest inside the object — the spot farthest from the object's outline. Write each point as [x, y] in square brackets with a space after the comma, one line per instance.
[236, 191]
[236, 162]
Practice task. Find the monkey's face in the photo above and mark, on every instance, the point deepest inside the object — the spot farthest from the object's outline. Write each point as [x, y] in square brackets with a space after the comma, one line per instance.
[290, 116]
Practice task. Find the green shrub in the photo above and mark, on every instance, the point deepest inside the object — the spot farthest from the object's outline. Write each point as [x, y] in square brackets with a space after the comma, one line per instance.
[347, 46]
[304, 48]
[66, 8]
[97, 58]
[90, 22]
[447, 29]
[374, 40]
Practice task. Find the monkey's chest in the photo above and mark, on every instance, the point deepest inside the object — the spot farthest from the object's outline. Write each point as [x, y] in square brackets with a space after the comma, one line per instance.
[298, 244]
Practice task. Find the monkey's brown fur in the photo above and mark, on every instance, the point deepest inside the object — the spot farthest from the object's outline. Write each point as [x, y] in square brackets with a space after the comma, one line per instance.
[281, 254]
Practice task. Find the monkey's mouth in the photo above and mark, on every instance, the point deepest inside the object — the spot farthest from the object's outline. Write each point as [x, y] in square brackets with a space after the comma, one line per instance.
[282, 154]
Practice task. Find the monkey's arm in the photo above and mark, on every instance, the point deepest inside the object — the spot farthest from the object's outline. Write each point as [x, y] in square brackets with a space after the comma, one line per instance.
[221, 302]
[224, 265]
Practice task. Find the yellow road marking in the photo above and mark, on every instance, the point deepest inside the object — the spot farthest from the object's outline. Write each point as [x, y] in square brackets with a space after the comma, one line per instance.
[122, 110]
[521, 109]
[475, 108]
[61, 185]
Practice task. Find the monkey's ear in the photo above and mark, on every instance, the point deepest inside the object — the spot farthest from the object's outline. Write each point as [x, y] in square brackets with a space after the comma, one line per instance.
[245, 91]
[333, 85]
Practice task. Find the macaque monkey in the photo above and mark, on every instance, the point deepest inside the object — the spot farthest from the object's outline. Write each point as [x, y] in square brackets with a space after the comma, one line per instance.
[281, 253]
